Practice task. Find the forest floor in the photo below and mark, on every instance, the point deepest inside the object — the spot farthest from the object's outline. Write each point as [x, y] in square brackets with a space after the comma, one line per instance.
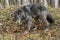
[7, 33]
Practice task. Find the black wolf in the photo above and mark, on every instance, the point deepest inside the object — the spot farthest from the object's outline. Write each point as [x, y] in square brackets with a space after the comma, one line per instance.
[33, 11]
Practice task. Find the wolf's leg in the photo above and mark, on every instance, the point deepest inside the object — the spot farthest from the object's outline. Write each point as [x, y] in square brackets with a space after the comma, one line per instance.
[47, 25]
[29, 23]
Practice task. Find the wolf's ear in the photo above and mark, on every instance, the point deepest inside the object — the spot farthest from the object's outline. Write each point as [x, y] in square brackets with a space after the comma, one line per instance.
[26, 9]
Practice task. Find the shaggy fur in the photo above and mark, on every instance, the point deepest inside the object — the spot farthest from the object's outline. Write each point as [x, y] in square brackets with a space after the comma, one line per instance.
[35, 11]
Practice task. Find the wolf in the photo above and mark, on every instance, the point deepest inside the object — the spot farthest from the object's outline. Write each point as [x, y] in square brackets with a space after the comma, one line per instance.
[35, 11]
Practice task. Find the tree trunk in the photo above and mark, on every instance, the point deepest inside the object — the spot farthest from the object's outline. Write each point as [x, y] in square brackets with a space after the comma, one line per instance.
[1, 6]
[7, 3]
[26, 2]
[45, 3]
[19, 2]
[52, 3]
[30, 1]
[42, 1]
[36, 1]
[15, 2]
[56, 3]
[59, 3]
[49, 2]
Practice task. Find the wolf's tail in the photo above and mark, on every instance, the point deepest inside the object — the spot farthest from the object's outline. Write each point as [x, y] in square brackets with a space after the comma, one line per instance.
[50, 19]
